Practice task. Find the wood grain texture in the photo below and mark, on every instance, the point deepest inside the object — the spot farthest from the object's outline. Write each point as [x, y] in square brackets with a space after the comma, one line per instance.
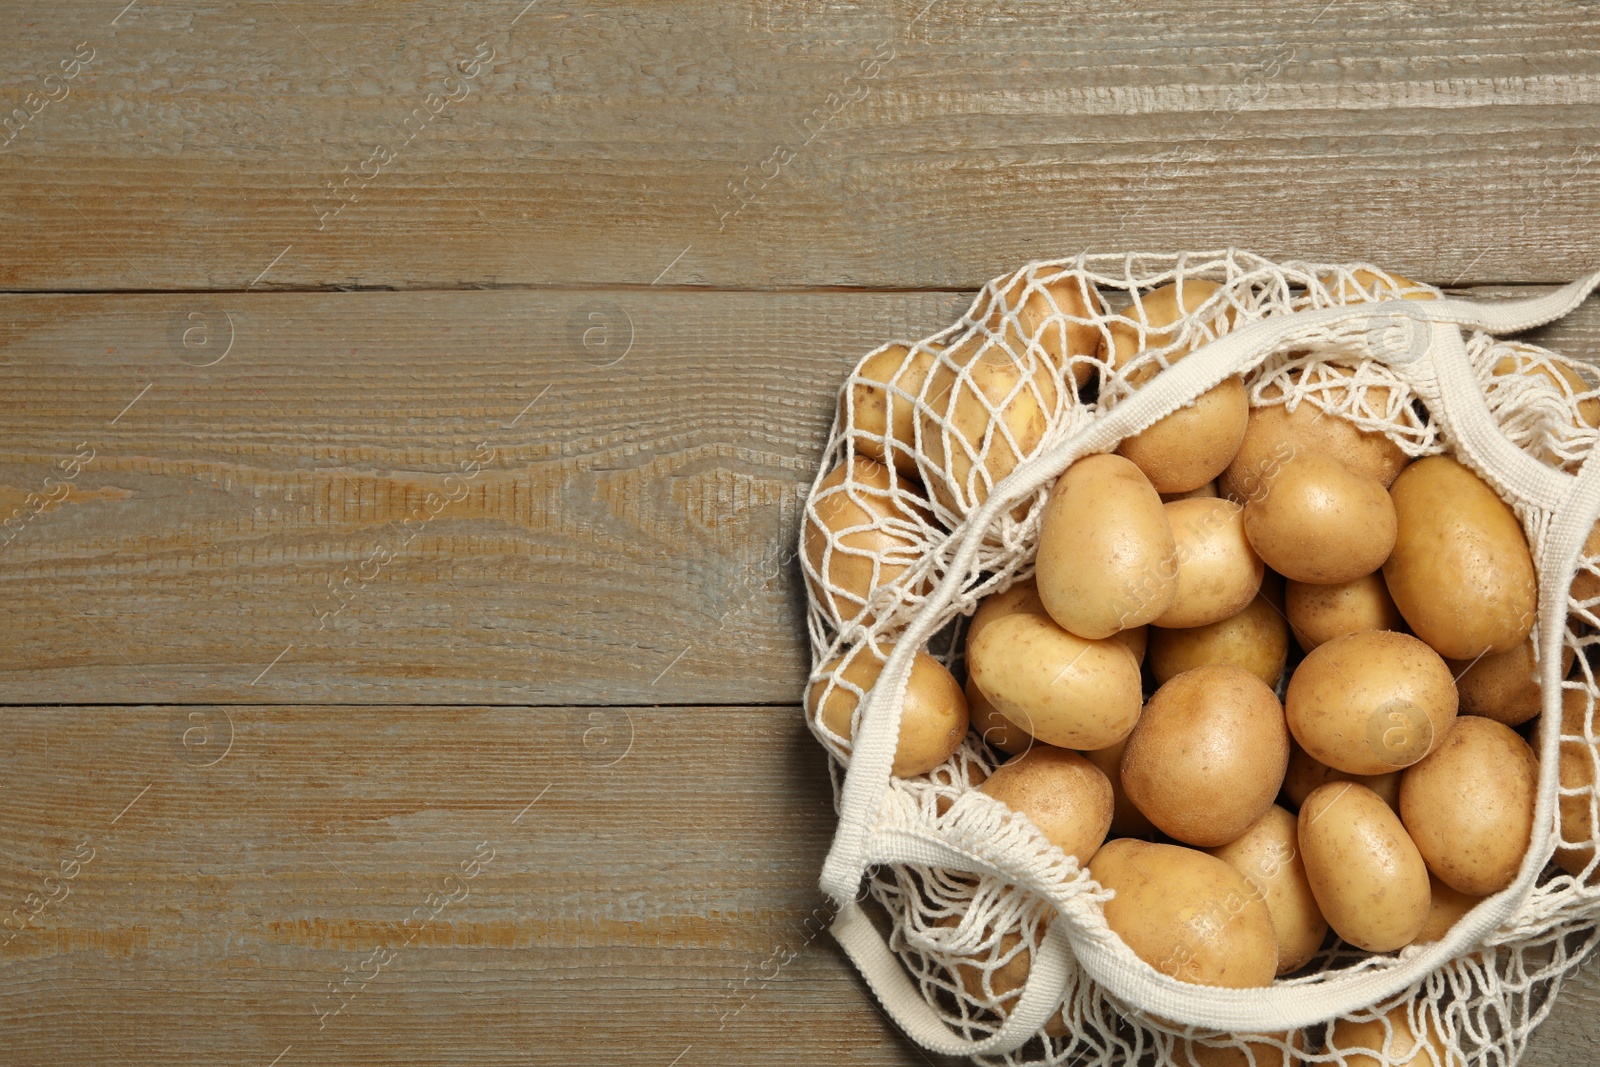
[614, 898]
[628, 540]
[786, 144]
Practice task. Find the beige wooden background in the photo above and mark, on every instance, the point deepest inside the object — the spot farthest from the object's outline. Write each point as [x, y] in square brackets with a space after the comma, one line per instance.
[272, 679]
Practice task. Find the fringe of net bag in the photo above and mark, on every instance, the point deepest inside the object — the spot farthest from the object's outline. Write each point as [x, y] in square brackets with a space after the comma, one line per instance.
[988, 941]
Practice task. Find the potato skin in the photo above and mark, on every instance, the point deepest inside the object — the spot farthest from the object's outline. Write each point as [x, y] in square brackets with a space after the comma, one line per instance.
[1446, 908]
[1266, 1054]
[1306, 774]
[1469, 805]
[1021, 597]
[1503, 686]
[1060, 688]
[1023, 395]
[1185, 450]
[1064, 795]
[879, 412]
[1107, 558]
[1576, 769]
[1398, 1042]
[852, 522]
[1370, 881]
[1157, 311]
[1461, 573]
[1126, 820]
[1275, 435]
[993, 728]
[1073, 347]
[933, 721]
[1318, 520]
[1256, 639]
[1268, 855]
[1371, 702]
[1319, 613]
[1218, 572]
[1187, 914]
[1207, 756]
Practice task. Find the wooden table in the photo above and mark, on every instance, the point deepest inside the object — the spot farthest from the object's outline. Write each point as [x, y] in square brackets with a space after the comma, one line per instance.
[403, 676]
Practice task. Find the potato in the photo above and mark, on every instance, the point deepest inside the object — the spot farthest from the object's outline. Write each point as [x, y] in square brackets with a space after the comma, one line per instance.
[1361, 286]
[1502, 686]
[1306, 774]
[851, 528]
[1218, 572]
[1269, 1050]
[1137, 639]
[1187, 914]
[1469, 805]
[880, 404]
[1268, 855]
[1256, 639]
[1567, 382]
[1207, 490]
[1107, 559]
[1276, 435]
[1586, 583]
[1371, 702]
[991, 982]
[933, 721]
[1126, 820]
[1576, 771]
[1318, 520]
[1150, 325]
[984, 411]
[1068, 798]
[1396, 1042]
[1446, 908]
[1207, 757]
[1461, 573]
[1022, 597]
[1369, 879]
[993, 728]
[1319, 613]
[1045, 309]
[1062, 689]
[1188, 448]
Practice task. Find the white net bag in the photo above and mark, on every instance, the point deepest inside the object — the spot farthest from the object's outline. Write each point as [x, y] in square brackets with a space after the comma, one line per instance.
[982, 938]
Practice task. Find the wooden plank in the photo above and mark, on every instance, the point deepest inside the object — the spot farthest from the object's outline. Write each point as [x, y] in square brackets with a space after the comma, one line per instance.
[598, 903]
[772, 145]
[628, 541]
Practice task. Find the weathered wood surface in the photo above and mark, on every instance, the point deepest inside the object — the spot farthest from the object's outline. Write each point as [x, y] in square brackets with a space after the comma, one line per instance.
[627, 538]
[916, 144]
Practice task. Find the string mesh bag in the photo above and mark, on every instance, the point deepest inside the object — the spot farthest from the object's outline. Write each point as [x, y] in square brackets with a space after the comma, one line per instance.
[979, 936]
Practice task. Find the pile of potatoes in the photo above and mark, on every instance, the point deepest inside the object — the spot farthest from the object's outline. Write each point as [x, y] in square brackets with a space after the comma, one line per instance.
[1223, 556]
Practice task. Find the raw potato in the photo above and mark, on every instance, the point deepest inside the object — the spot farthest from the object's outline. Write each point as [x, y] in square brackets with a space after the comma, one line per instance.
[1218, 572]
[1586, 583]
[1126, 819]
[1208, 755]
[1207, 490]
[1003, 980]
[1577, 772]
[994, 728]
[1024, 398]
[1188, 448]
[1066, 343]
[881, 405]
[1187, 914]
[1022, 597]
[1503, 686]
[1446, 908]
[1306, 774]
[1275, 435]
[1461, 573]
[1371, 703]
[850, 530]
[1268, 855]
[1256, 639]
[1361, 286]
[1194, 444]
[1319, 613]
[1269, 1050]
[1469, 805]
[1568, 382]
[1316, 519]
[1107, 559]
[1064, 795]
[1397, 1042]
[932, 724]
[1137, 640]
[1062, 689]
[1369, 879]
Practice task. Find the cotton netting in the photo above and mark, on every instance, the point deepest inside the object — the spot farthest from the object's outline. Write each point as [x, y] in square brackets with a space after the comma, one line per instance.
[927, 429]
